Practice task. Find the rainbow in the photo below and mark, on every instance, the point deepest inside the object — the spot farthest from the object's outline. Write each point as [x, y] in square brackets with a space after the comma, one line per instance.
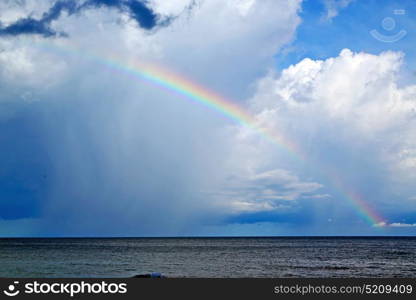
[363, 208]
[188, 89]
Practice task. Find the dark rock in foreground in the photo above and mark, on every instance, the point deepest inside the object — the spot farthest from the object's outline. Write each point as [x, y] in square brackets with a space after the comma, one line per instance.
[149, 275]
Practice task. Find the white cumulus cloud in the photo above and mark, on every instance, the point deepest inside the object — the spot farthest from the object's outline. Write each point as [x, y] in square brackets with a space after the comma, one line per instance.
[348, 115]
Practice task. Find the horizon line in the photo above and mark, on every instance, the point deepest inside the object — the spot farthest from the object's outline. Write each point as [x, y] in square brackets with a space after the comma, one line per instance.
[207, 236]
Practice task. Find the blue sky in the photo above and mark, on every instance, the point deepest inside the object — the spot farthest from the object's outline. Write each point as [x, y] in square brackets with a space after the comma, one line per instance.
[89, 151]
[319, 37]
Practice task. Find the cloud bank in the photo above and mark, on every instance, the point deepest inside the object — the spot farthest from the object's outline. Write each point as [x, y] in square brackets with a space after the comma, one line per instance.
[91, 150]
[352, 118]
[112, 155]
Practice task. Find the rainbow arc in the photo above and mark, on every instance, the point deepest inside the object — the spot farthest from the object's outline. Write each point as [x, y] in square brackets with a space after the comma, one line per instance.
[180, 85]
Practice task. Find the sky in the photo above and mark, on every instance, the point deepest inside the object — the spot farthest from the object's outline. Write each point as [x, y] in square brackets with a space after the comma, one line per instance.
[207, 118]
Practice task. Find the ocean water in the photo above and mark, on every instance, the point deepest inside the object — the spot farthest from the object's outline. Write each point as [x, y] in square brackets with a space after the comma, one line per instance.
[209, 257]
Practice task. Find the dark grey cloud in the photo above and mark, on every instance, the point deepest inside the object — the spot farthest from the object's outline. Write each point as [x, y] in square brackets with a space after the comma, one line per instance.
[30, 25]
[137, 10]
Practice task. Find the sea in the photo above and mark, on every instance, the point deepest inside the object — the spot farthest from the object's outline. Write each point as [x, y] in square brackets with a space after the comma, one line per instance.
[255, 257]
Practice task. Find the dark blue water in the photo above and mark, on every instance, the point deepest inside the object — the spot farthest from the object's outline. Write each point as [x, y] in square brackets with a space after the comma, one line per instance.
[209, 257]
